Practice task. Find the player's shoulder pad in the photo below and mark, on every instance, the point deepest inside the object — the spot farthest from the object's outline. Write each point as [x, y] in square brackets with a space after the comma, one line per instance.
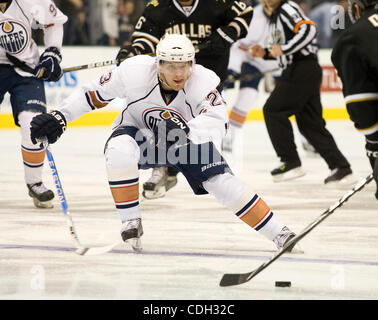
[138, 70]
[200, 83]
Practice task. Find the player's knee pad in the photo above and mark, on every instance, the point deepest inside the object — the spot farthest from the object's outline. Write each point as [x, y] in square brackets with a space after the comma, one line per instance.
[122, 157]
[24, 119]
[226, 188]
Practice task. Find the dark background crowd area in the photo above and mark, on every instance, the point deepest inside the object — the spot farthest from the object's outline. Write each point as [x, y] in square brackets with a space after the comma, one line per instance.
[111, 22]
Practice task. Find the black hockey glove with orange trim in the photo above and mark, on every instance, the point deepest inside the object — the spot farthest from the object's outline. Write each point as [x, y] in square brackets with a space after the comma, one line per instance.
[50, 125]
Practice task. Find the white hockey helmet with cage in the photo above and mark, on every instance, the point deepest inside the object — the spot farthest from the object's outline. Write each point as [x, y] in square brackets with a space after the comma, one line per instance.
[175, 48]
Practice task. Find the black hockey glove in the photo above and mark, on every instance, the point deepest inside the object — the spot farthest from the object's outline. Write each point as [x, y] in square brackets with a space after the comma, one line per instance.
[49, 68]
[232, 76]
[126, 52]
[50, 125]
[222, 39]
[171, 131]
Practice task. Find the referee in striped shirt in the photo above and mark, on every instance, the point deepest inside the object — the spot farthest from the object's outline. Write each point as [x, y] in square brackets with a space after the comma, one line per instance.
[292, 41]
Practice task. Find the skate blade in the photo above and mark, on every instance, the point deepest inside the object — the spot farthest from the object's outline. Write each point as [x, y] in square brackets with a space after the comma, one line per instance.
[135, 243]
[43, 204]
[154, 194]
[296, 250]
[347, 181]
[292, 174]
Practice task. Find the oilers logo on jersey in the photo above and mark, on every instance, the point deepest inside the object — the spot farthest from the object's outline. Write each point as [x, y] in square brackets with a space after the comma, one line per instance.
[152, 116]
[14, 36]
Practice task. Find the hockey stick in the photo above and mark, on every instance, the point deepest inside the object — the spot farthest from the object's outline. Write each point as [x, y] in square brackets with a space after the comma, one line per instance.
[24, 67]
[80, 249]
[250, 76]
[91, 65]
[231, 279]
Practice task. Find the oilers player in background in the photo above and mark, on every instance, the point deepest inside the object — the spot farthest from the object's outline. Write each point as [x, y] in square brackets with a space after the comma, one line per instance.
[173, 112]
[212, 26]
[242, 65]
[23, 72]
[355, 57]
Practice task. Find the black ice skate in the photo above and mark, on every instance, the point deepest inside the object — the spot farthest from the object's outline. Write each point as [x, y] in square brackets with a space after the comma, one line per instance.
[287, 171]
[131, 232]
[158, 184]
[341, 176]
[41, 195]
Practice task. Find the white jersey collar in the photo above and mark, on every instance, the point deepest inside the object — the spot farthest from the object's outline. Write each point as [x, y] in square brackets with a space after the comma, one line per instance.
[180, 8]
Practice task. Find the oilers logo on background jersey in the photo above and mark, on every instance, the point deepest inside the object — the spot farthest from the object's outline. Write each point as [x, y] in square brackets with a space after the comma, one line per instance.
[14, 36]
[152, 116]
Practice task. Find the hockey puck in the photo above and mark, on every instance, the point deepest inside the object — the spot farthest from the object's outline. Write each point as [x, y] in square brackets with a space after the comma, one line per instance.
[283, 284]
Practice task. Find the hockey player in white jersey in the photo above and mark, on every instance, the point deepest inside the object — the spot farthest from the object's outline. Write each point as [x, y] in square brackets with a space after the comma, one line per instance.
[173, 113]
[22, 72]
[250, 71]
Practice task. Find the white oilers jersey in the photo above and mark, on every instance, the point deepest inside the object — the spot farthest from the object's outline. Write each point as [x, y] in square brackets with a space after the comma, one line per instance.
[16, 24]
[199, 104]
[258, 33]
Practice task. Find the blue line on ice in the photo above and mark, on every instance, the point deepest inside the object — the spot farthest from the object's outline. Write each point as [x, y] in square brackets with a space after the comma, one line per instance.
[203, 255]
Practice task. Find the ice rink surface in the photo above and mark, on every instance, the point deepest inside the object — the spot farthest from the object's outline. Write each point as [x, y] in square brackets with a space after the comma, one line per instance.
[189, 241]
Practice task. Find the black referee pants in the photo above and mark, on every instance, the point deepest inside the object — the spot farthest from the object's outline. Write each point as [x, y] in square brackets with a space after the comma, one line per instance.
[298, 93]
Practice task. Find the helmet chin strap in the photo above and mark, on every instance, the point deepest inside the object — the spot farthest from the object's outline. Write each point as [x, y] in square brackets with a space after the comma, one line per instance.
[164, 82]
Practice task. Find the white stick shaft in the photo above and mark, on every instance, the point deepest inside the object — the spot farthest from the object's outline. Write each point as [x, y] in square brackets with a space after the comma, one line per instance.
[91, 65]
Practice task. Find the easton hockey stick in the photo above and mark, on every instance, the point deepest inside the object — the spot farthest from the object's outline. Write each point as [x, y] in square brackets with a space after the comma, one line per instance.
[80, 249]
[232, 279]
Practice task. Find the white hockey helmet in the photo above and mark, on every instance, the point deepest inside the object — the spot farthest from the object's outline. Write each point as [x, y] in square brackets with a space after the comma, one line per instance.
[175, 48]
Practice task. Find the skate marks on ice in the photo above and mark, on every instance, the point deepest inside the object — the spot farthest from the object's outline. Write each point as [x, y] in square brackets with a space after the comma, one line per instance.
[189, 242]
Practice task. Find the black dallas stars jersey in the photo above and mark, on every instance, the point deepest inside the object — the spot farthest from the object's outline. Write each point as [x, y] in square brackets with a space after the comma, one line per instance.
[198, 22]
[355, 57]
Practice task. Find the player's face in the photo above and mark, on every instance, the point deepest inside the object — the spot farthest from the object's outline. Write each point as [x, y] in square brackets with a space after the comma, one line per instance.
[175, 74]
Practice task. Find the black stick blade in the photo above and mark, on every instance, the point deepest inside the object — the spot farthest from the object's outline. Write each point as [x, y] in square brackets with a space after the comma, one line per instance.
[233, 279]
